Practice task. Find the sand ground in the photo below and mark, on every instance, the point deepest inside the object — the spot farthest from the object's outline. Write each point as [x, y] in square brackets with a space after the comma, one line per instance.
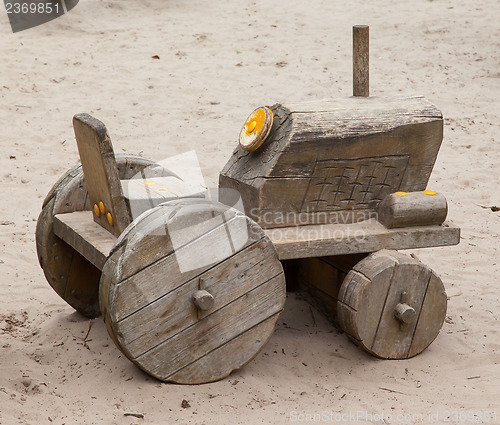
[218, 61]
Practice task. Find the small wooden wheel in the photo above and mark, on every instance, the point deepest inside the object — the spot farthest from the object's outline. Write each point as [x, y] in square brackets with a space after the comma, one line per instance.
[73, 277]
[392, 305]
[192, 291]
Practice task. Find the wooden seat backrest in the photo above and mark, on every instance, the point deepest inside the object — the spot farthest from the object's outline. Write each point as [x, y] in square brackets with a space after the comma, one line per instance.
[101, 174]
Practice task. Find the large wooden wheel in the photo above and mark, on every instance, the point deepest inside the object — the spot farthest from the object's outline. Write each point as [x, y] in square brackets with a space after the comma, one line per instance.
[73, 277]
[392, 305]
[192, 291]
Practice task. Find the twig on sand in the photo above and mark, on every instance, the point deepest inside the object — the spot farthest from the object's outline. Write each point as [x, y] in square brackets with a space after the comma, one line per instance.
[391, 391]
[135, 415]
[87, 334]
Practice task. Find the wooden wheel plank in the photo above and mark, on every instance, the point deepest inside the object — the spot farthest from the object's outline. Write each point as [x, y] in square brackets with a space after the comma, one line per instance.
[104, 284]
[53, 255]
[227, 323]
[63, 181]
[175, 311]
[366, 304]
[376, 263]
[431, 316]
[254, 267]
[214, 365]
[393, 338]
[376, 270]
[72, 197]
[129, 296]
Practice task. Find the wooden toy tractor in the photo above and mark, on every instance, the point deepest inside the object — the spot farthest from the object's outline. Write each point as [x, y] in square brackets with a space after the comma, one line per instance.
[191, 288]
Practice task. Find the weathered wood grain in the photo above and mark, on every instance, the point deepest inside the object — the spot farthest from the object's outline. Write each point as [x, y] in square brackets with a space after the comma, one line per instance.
[56, 257]
[408, 285]
[360, 301]
[220, 362]
[369, 302]
[152, 315]
[201, 252]
[214, 331]
[366, 236]
[108, 271]
[147, 241]
[88, 238]
[176, 311]
[101, 173]
[431, 317]
[325, 161]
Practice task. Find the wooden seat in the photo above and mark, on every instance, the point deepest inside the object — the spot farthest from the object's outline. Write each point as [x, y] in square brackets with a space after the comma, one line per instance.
[122, 201]
[101, 174]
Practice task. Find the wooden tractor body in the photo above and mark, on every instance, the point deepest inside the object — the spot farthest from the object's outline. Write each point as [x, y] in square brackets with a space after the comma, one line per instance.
[334, 161]
[191, 288]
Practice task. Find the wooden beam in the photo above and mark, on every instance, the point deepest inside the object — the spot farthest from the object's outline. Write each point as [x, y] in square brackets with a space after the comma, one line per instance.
[94, 243]
[79, 230]
[361, 60]
[366, 236]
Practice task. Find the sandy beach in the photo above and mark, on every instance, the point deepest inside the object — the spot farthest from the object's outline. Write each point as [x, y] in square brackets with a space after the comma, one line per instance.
[216, 62]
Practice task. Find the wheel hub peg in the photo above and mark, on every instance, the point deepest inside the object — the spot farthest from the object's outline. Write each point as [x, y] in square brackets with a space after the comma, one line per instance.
[204, 300]
[404, 313]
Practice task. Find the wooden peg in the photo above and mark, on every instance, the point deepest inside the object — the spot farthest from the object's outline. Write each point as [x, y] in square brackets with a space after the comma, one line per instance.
[204, 300]
[404, 313]
[361, 60]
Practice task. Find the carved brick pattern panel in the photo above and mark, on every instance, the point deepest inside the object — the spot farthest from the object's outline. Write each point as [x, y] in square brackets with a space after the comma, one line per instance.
[353, 184]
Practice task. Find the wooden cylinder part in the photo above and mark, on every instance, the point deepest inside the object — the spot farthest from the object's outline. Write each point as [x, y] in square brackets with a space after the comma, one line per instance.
[361, 60]
[403, 209]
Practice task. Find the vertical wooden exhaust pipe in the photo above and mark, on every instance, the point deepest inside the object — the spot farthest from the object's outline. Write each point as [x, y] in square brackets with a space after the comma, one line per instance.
[361, 60]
